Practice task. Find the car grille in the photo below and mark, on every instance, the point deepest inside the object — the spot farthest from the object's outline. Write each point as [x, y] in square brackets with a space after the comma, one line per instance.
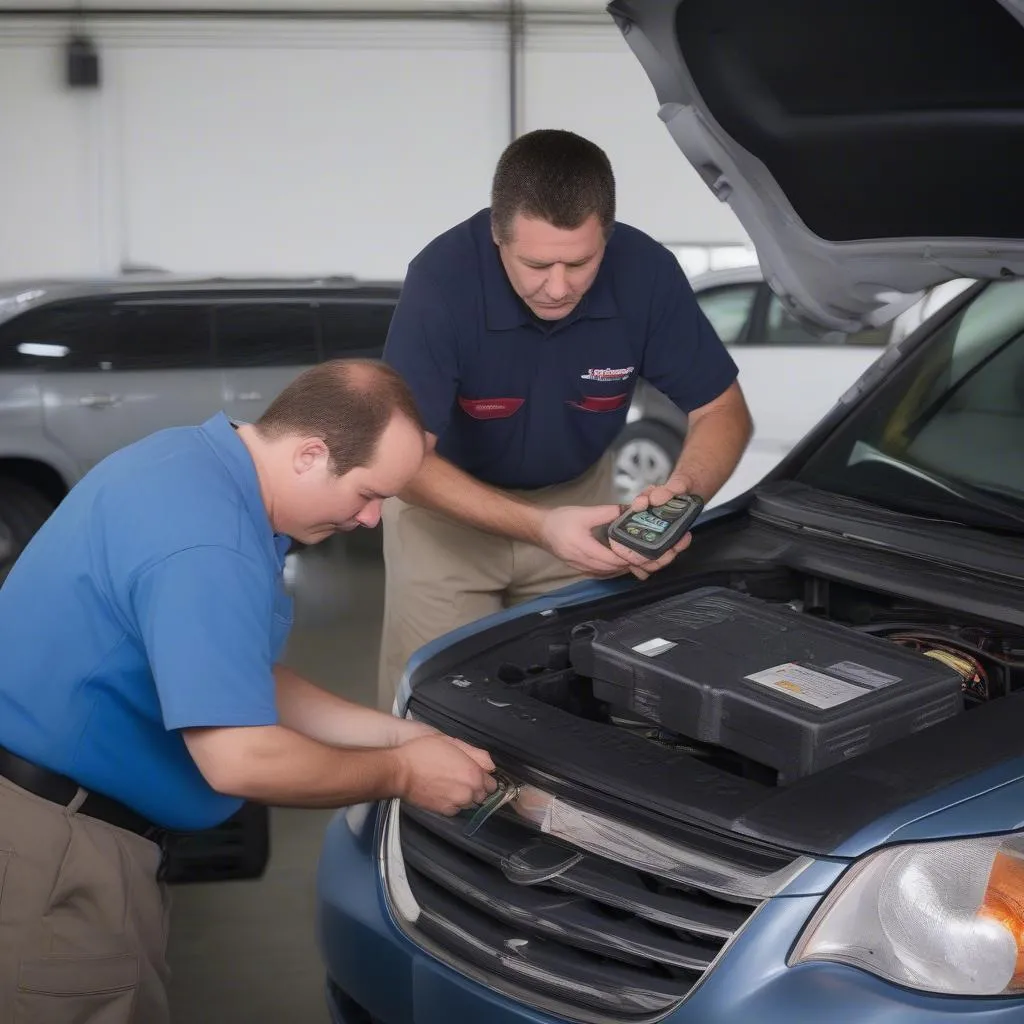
[558, 926]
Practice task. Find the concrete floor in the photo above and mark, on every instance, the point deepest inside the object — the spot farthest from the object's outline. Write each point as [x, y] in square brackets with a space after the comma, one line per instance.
[246, 951]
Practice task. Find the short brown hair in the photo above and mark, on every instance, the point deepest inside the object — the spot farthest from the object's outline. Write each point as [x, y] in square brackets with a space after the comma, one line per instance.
[552, 175]
[345, 402]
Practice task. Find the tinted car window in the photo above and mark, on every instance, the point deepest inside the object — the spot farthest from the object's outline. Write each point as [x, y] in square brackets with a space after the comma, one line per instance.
[350, 327]
[266, 334]
[57, 338]
[107, 336]
[158, 336]
[728, 308]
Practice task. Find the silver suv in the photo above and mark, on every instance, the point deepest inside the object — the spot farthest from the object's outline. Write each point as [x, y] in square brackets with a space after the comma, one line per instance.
[87, 367]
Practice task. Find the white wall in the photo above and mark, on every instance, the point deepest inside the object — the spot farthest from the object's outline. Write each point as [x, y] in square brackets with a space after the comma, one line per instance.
[50, 214]
[341, 155]
[584, 78]
[306, 146]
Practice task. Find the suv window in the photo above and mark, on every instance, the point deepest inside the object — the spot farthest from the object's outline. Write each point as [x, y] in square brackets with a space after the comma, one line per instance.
[161, 336]
[728, 308]
[102, 335]
[266, 334]
[356, 326]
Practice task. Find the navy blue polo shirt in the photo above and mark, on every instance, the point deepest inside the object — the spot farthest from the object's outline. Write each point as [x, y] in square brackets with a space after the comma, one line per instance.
[517, 402]
[151, 601]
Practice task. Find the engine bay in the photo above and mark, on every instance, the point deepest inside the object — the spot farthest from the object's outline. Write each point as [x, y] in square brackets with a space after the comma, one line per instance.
[713, 671]
[792, 693]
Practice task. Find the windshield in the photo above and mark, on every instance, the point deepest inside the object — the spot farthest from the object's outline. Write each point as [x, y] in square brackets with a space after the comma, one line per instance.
[944, 436]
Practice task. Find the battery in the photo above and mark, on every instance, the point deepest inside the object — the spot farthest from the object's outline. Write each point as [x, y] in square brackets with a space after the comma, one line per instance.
[795, 693]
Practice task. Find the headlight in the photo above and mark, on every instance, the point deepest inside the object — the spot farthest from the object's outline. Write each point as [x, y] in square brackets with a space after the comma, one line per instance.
[940, 917]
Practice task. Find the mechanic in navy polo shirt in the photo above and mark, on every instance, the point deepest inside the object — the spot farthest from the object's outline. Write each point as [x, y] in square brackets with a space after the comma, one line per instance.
[522, 333]
[140, 688]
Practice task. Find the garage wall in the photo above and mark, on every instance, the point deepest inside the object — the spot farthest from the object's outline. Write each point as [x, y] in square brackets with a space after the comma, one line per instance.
[583, 77]
[50, 216]
[292, 151]
[309, 144]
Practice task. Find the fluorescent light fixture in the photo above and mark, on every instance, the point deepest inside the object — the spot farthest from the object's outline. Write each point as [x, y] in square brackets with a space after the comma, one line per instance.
[42, 348]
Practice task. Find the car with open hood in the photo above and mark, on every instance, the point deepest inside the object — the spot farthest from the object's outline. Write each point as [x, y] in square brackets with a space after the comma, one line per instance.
[783, 779]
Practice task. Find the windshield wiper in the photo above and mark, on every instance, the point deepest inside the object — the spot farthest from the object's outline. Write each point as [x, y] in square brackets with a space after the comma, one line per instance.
[992, 502]
[969, 494]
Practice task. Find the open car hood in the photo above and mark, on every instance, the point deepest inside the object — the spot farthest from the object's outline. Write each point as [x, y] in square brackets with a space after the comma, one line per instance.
[870, 148]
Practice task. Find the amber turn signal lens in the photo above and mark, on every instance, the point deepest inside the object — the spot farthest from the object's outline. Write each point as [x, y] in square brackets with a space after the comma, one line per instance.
[1004, 902]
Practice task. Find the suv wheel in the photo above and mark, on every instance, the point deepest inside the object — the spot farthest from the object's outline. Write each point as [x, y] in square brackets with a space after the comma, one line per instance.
[22, 511]
[645, 453]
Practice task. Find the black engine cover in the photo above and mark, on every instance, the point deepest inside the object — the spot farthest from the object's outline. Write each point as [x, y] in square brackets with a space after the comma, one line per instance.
[795, 693]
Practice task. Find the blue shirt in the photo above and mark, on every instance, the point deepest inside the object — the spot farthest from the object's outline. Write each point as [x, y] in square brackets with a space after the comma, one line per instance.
[151, 601]
[519, 402]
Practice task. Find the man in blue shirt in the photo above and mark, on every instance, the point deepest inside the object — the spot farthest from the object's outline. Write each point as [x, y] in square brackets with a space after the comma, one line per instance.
[140, 687]
[522, 333]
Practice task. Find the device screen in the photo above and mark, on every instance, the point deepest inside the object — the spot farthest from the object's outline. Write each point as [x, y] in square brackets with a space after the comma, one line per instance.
[645, 526]
[649, 521]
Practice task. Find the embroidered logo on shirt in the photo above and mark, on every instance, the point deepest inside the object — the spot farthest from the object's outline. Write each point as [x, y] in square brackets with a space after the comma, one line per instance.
[609, 374]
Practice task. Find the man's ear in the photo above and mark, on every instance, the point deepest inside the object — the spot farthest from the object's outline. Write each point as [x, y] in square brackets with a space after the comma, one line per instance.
[309, 453]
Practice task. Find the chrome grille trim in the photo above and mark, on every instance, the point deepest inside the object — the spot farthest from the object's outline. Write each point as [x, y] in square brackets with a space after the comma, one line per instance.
[590, 940]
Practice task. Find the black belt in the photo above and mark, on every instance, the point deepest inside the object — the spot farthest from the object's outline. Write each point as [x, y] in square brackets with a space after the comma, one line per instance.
[61, 790]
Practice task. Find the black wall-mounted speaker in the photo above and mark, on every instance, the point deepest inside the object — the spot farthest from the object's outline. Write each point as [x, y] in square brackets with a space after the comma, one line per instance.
[83, 63]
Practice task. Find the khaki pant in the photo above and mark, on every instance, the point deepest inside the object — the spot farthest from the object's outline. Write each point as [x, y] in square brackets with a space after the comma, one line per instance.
[83, 920]
[440, 575]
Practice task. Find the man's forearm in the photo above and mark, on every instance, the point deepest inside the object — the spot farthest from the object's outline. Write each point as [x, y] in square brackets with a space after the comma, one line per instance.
[714, 444]
[445, 488]
[276, 765]
[313, 712]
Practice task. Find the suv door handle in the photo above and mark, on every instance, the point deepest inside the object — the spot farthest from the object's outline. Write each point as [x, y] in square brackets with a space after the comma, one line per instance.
[99, 401]
[249, 396]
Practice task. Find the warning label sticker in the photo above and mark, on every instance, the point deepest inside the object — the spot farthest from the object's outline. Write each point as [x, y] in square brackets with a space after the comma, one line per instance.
[808, 685]
[653, 647]
[862, 674]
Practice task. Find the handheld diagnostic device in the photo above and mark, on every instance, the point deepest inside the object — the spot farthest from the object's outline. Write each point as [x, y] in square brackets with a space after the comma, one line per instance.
[655, 530]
